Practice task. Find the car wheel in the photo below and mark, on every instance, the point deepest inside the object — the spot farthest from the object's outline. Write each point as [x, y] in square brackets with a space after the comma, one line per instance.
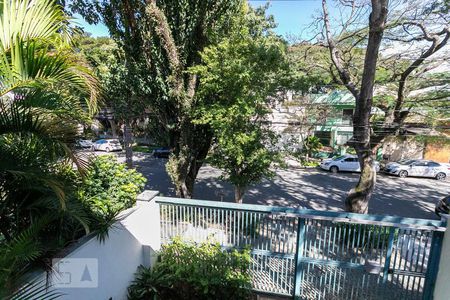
[334, 169]
[107, 149]
[403, 174]
[440, 176]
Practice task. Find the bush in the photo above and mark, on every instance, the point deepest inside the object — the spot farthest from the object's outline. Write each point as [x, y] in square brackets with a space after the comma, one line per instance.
[109, 187]
[365, 236]
[190, 271]
[309, 163]
[311, 145]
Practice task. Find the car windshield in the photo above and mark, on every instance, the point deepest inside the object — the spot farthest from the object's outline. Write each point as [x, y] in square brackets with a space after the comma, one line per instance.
[339, 157]
[406, 161]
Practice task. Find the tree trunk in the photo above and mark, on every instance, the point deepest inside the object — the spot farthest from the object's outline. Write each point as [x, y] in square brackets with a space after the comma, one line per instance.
[239, 192]
[128, 143]
[184, 165]
[113, 128]
[188, 167]
[358, 198]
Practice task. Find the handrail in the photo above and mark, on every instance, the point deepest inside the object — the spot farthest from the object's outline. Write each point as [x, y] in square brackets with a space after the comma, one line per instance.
[394, 221]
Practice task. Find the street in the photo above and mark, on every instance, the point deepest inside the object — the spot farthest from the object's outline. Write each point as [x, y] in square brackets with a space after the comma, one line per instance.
[306, 188]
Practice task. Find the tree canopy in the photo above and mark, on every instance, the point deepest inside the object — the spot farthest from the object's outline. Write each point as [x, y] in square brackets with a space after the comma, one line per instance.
[399, 41]
[238, 78]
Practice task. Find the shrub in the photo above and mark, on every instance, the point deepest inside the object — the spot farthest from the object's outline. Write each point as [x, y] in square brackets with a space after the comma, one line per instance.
[364, 236]
[309, 163]
[311, 145]
[189, 271]
[109, 187]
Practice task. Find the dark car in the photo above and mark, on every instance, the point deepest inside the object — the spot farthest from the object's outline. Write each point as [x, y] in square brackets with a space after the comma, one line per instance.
[443, 206]
[163, 152]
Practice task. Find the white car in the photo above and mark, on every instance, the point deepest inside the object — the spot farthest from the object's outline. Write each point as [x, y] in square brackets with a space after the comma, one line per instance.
[84, 143]
[418, 167]
[344, 163]
[107, 145]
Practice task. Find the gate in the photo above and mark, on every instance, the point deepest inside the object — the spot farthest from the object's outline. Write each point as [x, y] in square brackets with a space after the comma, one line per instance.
[312, 254]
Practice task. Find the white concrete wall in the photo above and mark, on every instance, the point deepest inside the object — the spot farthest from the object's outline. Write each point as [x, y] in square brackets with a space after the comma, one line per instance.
[442, 287]
[131, 242]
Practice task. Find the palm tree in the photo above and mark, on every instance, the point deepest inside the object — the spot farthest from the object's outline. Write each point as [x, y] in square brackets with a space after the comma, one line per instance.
[42, 86]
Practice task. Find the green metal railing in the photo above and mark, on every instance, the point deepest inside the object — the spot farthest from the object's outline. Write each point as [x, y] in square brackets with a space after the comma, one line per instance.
[312, 254]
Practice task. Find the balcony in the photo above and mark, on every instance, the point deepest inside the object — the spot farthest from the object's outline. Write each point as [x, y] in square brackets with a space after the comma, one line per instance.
[300, 253]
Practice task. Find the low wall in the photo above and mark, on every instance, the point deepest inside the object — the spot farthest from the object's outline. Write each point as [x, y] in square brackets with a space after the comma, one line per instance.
[397, 148]
[439, 152]
[111, 264]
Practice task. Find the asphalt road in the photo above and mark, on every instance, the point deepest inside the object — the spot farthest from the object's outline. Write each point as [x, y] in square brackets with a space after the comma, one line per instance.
[307, 188]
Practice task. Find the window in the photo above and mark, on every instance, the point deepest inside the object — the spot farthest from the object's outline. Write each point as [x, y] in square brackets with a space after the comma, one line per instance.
[406, 161]
[421, 164]
[338, 158]
[351, 159]
[347, 116]
[433, 164]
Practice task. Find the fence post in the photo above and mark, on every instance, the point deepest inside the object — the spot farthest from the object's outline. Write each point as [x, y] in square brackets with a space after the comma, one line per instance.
[301, 229]
[442, 283]
[389, 248]
[146, 226]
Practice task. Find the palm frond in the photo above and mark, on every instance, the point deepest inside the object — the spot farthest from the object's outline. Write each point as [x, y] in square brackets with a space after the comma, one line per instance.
[31, 20]
[36, 288]
[17, 254]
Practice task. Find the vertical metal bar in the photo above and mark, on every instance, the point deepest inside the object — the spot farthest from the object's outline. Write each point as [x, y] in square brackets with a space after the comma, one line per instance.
[433, 264]
[172, 221]
[425, 247]
[339, 248]
[387, 262]
[298, 257]
[239, 227]
[330, 245]
[411, 259]
[234, 227]
[418, 252]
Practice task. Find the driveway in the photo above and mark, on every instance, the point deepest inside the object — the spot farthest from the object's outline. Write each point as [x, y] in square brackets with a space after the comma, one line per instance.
[307, 188]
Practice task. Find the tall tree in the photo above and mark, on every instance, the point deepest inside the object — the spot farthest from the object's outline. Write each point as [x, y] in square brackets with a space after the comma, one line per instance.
[421, 24]
[357, 200]
[163, 39]
[238, 78]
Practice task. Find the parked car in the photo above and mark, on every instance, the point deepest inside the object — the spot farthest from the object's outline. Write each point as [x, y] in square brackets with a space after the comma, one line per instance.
[84, 143]
[418, 167]
[163, 152]
[346, 162]
[107, 145]
[443, 206]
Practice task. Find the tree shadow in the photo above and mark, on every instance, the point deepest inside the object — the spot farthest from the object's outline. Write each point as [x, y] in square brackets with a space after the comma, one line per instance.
[311, 188]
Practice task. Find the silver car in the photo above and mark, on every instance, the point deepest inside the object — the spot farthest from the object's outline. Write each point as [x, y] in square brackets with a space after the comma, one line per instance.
[346, 162]
[107, 145]
[418, 167]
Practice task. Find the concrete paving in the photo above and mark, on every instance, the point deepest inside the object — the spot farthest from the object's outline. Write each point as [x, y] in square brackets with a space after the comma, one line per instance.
[306, 188]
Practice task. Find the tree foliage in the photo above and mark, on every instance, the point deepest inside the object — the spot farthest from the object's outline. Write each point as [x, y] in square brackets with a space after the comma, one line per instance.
[237, 78]
[44, 93]
[109, 187]
[395, 74]
[160, 41]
